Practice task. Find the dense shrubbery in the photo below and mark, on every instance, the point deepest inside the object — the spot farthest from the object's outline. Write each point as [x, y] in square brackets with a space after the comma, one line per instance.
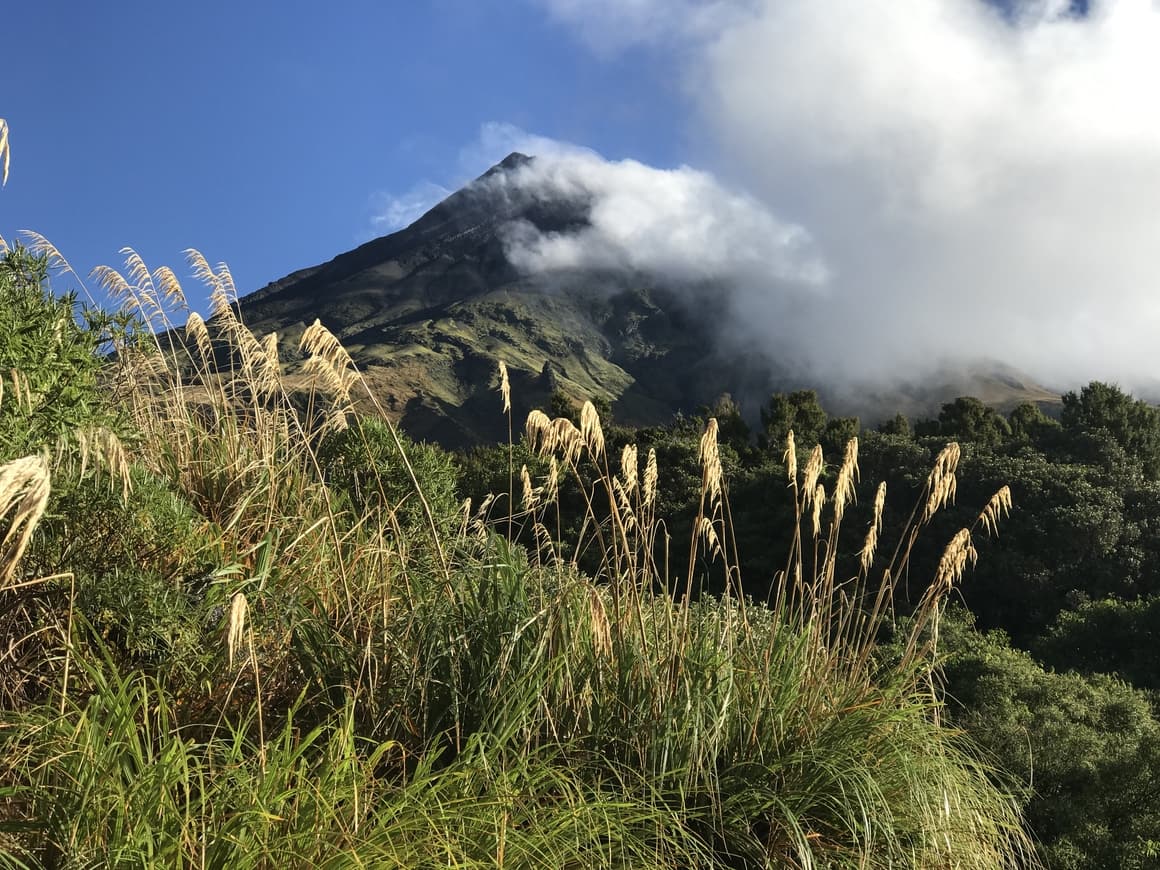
[273, 638]
[1074, 577]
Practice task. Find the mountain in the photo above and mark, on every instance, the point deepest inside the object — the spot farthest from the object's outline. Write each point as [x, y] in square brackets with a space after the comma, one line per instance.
[427, 313]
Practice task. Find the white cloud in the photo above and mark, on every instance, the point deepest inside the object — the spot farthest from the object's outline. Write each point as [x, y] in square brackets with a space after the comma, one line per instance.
[678, 224]
[982, 185]
[611, 25]
[391, 212]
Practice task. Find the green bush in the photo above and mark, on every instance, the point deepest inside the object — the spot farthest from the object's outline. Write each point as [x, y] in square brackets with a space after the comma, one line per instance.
[364, 464]
[50, 360]
[1086, 749]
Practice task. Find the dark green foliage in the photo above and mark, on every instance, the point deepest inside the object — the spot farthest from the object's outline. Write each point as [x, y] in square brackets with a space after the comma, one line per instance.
[1107, 411]
[1107, 636]
[800, 411]
[1030, 425]
[55, 357]
[968, 419]
[899, 424]
[1085, 748]
[364, 463]
[92, 529]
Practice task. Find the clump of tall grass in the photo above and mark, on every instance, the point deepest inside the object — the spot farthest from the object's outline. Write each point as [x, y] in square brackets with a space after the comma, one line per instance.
[385, 693]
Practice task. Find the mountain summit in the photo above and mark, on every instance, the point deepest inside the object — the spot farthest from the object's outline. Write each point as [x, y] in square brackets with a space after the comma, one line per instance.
[429, 311]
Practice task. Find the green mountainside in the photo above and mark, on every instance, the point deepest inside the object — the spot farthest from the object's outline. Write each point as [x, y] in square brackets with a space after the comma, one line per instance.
[428, 312]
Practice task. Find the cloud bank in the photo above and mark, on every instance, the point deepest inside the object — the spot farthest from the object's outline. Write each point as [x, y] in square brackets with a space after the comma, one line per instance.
[680, 225]
[981, 179]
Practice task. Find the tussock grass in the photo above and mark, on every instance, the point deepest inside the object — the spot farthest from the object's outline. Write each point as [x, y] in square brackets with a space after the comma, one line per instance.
[381, 691]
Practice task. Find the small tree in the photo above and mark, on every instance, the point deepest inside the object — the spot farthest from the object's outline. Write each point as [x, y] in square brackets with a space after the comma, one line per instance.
[50, 360]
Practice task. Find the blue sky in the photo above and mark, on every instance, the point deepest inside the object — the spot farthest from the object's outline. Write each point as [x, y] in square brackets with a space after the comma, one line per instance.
[915, 183]
[267, 134]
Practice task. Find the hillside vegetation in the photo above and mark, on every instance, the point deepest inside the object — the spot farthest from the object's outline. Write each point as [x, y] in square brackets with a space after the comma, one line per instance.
[243, 631]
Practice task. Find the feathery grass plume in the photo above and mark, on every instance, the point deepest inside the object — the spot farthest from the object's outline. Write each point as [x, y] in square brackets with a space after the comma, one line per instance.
[25, 485]
[204, 273]
[790, 457]
[599, 626]
[505, 387]
[239, 610]
[113, 283]
[591, 431]
[5, 152]
[538, 428]
[627, 516]
[3, 245]
[819, 501]
[650, 477]
[529, 494]
[941, 483]
[628, 467]
[954, 561]
[866, 556]
[270, 350]
[335, 420]
[568, 439]
[22, 392]
[813, 471]
[847, 475]
[196, 330]
[39, 246]
[478, 525]
[710, 458]
[706, 530]
[102, 444]
[544, 542]
[552, 481]
[328, 359]
[169, 287]
[998, 507]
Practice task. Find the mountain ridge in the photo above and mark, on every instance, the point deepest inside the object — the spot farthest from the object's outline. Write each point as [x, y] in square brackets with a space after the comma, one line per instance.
[428, 312]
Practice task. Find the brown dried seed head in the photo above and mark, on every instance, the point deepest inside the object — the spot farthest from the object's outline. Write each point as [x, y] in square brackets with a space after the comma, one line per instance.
[790, 457]
[239, 609]
[5, 152]
[941, 494]
[819, 502]
[998, 507]
[552, 483]
[711, 462]
[195, 330]
[529, 497]
[25, 485]
[706, 529]
[650, 477]
[622, 501]
[844, 486]
[954, 561]
[169, 287]
[538, 428]
[567, 439]
[591, 430]
[628, 467]
[871, 543]
[812, 472]
[505, 387]
[947, 462]
[600, 627]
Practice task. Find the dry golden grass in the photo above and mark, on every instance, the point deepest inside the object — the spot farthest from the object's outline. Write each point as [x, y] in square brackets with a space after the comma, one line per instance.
[505, 387]
[25, 485]
[5, 152]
